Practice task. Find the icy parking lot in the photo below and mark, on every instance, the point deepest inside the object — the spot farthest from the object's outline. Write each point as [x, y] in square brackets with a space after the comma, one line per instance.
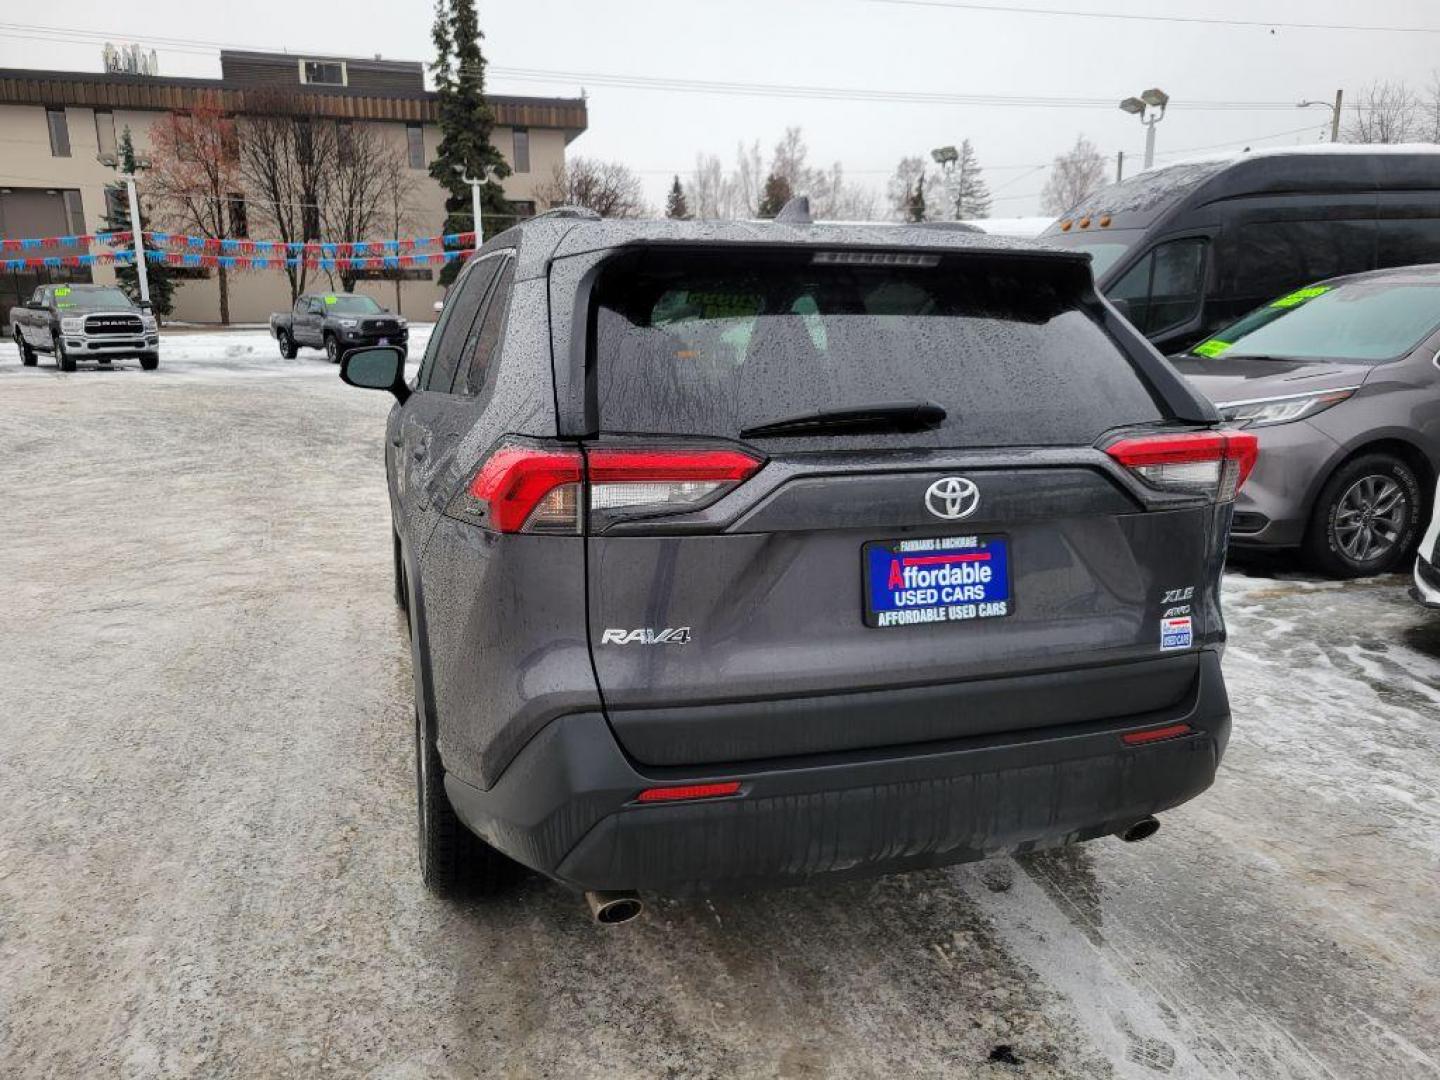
[206, 865]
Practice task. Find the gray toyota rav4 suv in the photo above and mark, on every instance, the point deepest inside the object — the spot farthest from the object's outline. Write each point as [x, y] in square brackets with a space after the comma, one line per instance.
[739, 554]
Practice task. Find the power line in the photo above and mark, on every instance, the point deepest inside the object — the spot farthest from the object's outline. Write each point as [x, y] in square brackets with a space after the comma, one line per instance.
[1207, 20]
[699, 86]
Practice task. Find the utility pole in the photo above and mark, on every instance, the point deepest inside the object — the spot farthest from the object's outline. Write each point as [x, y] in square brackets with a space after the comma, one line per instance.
[1119, 166]
[1334, 112]
[136, 232]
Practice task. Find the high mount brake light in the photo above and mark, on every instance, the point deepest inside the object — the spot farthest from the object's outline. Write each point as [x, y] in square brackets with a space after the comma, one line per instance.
[536, 489]
[1213, 463]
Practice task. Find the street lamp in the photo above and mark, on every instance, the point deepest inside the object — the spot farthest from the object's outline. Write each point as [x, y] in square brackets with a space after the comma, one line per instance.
[1156, 99]
[945, 155]
[136, 229]
[474, 201]
[1334, 112]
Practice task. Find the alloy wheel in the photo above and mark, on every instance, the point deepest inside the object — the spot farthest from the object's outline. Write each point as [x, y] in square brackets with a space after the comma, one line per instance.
[1370, 517]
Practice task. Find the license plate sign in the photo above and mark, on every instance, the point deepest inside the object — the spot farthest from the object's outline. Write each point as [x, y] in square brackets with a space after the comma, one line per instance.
[936, 580]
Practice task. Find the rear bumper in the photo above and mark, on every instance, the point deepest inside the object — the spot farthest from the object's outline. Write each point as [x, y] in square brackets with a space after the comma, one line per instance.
[565, 805]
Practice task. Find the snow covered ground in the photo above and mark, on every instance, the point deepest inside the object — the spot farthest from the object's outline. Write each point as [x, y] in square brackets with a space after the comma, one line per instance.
[207, 862]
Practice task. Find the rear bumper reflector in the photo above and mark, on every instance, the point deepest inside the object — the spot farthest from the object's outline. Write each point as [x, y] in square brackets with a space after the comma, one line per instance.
[688, 791]
[1159, 734]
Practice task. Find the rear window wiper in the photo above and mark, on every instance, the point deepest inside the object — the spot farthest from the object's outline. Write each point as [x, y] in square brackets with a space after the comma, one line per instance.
[902, 416]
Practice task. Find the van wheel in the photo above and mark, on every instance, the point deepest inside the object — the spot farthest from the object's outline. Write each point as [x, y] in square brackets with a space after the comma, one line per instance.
[63, 360]
[28, 355]
[452, 858]
[1366, 520]
[286, 343]
[332, 349]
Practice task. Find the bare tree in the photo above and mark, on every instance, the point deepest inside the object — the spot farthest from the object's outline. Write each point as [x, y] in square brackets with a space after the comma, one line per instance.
[1075, 174]
[709, 193]
[1384, 112]
[748, 180]
[288, 161]
[401, 211]
[607, 187]
[194, 175]
[1430, 110]
[356, 200]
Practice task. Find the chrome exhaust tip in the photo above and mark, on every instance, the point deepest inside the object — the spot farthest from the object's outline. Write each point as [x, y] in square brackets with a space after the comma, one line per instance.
[1143, 829]
[614, 908]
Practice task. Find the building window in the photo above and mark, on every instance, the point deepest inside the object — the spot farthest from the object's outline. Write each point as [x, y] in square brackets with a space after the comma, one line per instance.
[239, 220]
[345, 143]
[74, 212]
[520, 158]
[323, 72]
[105, 131]
[415, 143]
[59, 133]
[520, 209]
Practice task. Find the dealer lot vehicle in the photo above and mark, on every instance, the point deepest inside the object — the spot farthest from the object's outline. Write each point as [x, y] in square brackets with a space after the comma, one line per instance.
[1339, 381]
[84, 322]
[1189, 248]
[739, 554]
[337, 323]
[1426, 589]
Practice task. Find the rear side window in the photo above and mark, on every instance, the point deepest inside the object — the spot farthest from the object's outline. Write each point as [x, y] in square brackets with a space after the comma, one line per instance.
[712, 343]
[453, 329]
[485, 336]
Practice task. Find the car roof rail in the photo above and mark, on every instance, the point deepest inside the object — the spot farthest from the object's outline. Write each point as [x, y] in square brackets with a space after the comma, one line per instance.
[796, 211]
[582, 213]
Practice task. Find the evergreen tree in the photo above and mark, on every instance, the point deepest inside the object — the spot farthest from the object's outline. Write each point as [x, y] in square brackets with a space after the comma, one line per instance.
[972, 196]
[675, 206]
[915, 205]
[775, 195]
[466, 121]
[117, 219]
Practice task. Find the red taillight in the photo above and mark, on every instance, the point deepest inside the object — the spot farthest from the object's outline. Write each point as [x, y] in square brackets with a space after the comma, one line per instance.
[688, 791]
[1156, 734]
[515, 480]
[527, 488]
[1214, 463]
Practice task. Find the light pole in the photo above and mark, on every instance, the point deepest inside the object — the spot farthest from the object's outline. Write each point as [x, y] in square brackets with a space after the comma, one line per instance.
[1156, 99]
[136, 230]
[1334, 112]
[474, 203]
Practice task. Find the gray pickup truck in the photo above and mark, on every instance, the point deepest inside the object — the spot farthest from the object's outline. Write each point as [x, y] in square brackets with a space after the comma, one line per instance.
[91, 322]
[337, 323]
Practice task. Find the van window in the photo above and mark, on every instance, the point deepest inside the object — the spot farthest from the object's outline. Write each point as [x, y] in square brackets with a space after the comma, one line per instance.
[713, 344]
[1265, 258]
[1408, 241]
[1164, 289]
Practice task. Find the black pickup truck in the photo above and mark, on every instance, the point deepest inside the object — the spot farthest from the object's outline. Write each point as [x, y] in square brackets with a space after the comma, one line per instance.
[90, 322]
[337, 323]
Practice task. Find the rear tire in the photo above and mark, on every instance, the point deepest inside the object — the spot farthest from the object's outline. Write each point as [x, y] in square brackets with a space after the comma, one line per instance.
[63, 360]
[332, 349]
[28, 356]
[287, 344]
[452, 858]
[1366, 520]
[149, 361]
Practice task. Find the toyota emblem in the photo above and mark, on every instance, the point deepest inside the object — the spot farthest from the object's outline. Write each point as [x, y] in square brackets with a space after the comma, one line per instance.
[952, 498]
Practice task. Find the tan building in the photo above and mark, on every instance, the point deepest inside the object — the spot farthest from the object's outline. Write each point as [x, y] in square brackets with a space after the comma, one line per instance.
[55, 124]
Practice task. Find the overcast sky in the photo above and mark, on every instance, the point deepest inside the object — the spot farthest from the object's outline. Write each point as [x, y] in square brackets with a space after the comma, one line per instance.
[867, 45]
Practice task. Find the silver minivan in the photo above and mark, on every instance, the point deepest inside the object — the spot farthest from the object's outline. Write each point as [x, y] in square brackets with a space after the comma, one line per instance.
[1339, 380]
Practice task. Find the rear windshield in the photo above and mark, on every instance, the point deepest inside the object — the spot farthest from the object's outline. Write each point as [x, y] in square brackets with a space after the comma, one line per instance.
[1365, 321]
[712, 344]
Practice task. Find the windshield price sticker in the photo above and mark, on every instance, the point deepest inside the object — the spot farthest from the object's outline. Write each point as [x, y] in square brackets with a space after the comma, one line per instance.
[936, 580]
[63, 290]
[1300, 296]
[1213, 347]
[329, 299]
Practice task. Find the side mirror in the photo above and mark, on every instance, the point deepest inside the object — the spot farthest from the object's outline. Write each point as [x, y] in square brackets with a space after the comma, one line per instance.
[380, 368]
